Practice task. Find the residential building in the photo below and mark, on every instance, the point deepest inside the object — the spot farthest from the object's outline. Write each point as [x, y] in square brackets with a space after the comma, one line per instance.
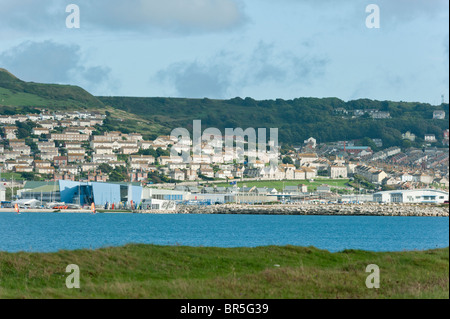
[75, 157]
[430, 138]
[40, 130]
[439, 115]
[337, 171]
[177, 174]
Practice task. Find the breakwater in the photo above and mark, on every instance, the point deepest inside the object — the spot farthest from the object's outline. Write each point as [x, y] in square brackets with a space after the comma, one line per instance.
[371, 209]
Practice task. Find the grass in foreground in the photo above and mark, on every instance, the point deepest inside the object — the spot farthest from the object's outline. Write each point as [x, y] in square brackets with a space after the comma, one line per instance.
[146, 271]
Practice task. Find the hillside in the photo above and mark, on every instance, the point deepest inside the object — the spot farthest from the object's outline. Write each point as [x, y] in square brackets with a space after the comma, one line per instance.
[327, 119]
[296, 119]
[15, 92]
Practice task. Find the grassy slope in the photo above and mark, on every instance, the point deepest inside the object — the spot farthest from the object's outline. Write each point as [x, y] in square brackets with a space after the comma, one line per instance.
[15, 92]
[145, 271]
[122, 120]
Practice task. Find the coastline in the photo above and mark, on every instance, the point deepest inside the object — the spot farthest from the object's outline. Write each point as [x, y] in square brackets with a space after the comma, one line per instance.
[371, 209]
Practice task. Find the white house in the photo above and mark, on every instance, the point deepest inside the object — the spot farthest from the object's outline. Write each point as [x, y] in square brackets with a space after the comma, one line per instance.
[430, 138]
[177, 175]
[439, 115]
[338, 171]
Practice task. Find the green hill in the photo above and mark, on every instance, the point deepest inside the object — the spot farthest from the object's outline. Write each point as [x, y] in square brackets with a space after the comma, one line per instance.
[296, 119]
[327, 119]
[17, 93]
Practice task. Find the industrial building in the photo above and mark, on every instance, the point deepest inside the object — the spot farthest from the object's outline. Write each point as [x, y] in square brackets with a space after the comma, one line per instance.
[82, 193]
[165, 194]
[162, 199]
[45, 193]
[424, 196]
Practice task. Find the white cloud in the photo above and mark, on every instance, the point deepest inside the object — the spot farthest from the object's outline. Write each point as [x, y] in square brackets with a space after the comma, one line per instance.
[175, 16]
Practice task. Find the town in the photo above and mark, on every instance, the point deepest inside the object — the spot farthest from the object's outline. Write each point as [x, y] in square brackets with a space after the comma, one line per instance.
[45, 154]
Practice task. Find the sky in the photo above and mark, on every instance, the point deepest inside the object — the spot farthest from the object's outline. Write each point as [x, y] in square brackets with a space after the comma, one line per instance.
[222, 49]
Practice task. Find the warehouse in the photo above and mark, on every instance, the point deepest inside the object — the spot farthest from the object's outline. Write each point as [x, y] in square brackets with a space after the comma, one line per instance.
[82, 193]
[46, 192]
[424, 196]
[162, 199]
[99, 193]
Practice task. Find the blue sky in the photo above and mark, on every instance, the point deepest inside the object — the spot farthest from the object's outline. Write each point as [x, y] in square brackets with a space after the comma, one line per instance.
[226, 48]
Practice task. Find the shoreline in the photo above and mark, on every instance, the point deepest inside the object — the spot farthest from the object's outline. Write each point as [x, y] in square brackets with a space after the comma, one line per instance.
[403, 210]
[371, 209]
[50, 211]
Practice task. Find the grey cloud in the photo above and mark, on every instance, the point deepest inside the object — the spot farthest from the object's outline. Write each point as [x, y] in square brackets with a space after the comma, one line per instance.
[173, 15]
[446, 79]
[309, 68]
[41, 61]
[411, 9]
[32, 15]
[397, 7]
[178, 16]
[195, 80]
[229, 73]
[51, 62]
[392, 11]
[268, 65]
[96, 74]
[263, 66]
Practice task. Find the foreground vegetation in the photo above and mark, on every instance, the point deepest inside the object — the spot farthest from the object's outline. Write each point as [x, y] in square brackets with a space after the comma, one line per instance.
[146, 271]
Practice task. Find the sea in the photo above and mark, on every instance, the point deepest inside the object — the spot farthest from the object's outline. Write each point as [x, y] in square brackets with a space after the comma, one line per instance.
[51, 232]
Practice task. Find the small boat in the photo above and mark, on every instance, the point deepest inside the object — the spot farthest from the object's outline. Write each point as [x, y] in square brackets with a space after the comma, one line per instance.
[16, 208]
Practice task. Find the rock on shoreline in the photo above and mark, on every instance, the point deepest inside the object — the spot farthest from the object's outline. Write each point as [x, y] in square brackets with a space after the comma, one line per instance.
[319, 209]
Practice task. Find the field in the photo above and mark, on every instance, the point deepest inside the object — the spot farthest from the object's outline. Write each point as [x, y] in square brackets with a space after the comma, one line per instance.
[333, 183]
[10, 98]
[146, 271]
[9, 176]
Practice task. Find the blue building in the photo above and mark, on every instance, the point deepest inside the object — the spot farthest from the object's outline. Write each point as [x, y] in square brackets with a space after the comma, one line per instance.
[99, 193]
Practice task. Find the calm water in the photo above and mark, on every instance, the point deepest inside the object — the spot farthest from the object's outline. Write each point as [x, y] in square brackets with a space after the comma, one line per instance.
[39, 232]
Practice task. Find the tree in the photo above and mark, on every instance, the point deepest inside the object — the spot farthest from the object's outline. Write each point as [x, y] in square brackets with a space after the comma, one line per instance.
[160, 152]
[24, 129]
[30, 176]
[149, 151]
[369, 142]
[406, 144]
[117, 177]
[287, 160]
[105, 168]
